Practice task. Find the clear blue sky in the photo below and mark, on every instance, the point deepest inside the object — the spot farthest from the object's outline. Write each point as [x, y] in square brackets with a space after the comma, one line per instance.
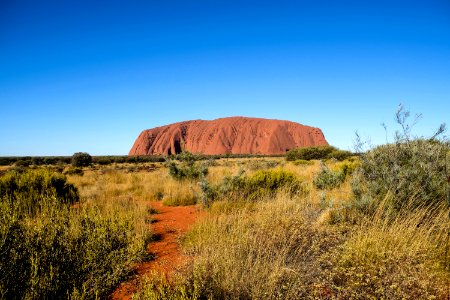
[89, 76]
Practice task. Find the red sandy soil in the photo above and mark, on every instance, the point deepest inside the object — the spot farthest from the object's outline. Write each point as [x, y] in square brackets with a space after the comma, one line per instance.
[170, 223]
[234, 135]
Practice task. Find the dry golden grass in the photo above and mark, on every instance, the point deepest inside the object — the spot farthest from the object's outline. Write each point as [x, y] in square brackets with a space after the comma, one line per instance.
[310, 246]
[116, 193]
[314, 245]
[76, 251]
[395, 258]
[141, 185]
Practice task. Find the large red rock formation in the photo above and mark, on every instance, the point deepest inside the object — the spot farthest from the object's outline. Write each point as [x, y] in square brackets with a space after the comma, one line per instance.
[235, 135]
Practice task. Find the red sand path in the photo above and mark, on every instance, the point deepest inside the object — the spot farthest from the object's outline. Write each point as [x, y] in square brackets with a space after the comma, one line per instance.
[168, 226]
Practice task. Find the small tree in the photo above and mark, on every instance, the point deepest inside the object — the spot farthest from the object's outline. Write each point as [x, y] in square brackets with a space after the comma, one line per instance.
[81, 159]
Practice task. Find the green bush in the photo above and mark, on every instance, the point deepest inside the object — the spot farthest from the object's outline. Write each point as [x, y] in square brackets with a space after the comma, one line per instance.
[261, 184]
[410, 172]
[50, 160]
[37, 161]
[339, 154]
[64, 253]
[23, 163]
[104, 161]
[350, 165]
[27, 190]
[81, 159]
[58, 251]
[413, 172]
[302, 162]
[319, 152]
[74, 171]
[187, 168]
[328, 179]
[267, 181]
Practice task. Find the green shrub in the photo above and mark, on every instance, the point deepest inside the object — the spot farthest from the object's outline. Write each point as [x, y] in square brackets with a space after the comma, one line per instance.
[81, 159]
[261, 184]
[23, 163]
[319, 152]
[50, 250]
[409, 172]
[414, 172]
[328, 179]
[271, 180]
[309, 153]
[28, 189]
[50, 160]
[37, 161]
[350, 165]
[208, 192]
[104, 161]
[339, 154]
[74, 171]
[5, 161]
[187, 168]
[62, 253]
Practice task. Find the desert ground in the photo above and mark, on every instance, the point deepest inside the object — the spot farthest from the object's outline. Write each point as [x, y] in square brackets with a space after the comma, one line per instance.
[226, 228]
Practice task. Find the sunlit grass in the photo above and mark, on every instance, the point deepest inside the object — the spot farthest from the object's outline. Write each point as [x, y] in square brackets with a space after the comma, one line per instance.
[314, 245]
[281, 245]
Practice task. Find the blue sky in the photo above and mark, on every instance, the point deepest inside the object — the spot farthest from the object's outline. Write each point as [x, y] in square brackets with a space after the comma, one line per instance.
[89, 76]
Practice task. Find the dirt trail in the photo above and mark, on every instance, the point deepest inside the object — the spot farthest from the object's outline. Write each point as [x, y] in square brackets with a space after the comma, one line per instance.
[170, 223]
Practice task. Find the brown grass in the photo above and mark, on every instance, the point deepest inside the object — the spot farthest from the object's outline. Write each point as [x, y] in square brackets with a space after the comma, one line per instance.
[304, 247]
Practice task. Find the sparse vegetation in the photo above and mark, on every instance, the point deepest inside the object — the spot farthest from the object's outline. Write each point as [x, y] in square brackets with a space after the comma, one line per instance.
[74, 171]
[374, 225]
[302, 162]
[188, 168]
[320, 152]
[328, 179]
[259, 185]
[262, 164]
[27, 192]
[412, 170]
[400, 258]
[340, 241]
[51, 249]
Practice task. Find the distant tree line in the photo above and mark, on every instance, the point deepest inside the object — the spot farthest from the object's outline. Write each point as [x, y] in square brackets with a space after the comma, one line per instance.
[58, 160]
[318, 152]
[294, 154]
[26, 161]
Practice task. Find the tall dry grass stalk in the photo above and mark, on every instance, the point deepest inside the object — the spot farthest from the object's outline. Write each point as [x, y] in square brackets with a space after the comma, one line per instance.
[397, 256]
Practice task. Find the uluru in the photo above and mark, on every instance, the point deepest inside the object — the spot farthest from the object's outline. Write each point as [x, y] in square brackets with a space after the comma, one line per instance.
[232, 135]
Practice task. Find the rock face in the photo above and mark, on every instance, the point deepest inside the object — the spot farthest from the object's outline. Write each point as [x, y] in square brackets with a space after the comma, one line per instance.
[234, 135]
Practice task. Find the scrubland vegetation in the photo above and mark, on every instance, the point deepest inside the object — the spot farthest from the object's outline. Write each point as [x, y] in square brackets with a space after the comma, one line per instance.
[66, 240]
[372, 226]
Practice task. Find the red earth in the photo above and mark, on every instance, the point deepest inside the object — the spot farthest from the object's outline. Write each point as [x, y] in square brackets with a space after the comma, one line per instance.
[169, 225]
[234, 135]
